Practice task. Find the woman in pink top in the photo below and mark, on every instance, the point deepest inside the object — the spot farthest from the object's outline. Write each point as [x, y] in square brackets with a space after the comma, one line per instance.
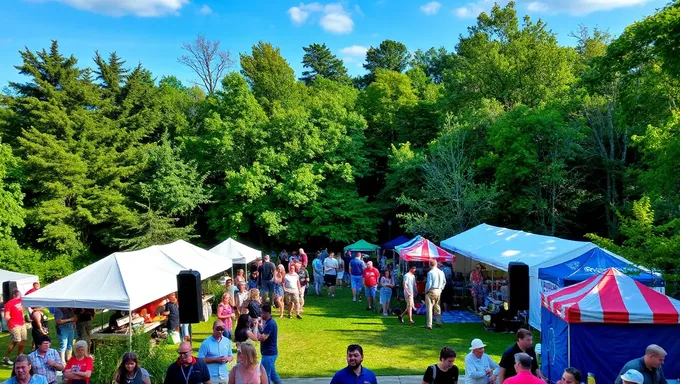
[247, 369]
[225, 312]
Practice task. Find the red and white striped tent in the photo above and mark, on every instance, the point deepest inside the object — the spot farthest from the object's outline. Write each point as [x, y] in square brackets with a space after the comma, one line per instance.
[424, 250]
[612, 297]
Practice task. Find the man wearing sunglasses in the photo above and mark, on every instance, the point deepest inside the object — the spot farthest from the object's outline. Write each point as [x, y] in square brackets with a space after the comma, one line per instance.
[216, 352]
[187, 369]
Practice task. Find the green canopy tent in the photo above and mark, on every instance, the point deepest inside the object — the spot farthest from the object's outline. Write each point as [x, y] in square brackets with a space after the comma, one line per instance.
[362, 246]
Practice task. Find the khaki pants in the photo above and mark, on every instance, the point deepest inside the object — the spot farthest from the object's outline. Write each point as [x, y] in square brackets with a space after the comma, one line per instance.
[302, 296]
[432, 303]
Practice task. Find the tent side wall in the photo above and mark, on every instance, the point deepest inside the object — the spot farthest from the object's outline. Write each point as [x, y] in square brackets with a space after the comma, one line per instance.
[603, 349]
[554, 343]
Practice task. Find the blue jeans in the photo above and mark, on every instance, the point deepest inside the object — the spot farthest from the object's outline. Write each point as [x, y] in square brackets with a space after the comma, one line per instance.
[357, 282]
[66, 335]
[269, 364]
[183, 331]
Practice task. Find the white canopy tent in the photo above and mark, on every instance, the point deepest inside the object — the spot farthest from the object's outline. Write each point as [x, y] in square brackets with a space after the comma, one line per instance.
[24, 281]
[496, 246]
[128, 280]
[236, 252]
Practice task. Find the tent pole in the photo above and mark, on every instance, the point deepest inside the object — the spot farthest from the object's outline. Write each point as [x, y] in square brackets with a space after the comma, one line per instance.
[569, 344]
[130, 330]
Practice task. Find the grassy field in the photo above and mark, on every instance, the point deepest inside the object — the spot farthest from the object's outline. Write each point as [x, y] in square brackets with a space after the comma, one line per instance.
[315, 346]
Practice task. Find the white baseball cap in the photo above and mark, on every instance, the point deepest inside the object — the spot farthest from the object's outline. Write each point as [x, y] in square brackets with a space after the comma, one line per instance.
[633, 376]
[476, 343]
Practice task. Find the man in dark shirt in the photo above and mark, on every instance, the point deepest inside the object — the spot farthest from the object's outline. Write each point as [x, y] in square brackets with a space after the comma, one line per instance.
[172, 312]
[354, 372]
[268, 338]
[444, 372]
[187, 369]
[650, 365]
[266, 272]
[524, 344]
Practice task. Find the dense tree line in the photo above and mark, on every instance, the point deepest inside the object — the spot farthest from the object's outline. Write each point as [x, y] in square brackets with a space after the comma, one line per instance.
[509, 128]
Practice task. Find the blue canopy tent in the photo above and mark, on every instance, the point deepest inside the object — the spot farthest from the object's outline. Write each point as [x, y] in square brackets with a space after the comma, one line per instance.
[407, 244]
[592, 263]
[390, 245]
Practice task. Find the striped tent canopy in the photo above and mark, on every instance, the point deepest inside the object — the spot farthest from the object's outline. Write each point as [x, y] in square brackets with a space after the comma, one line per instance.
[612, 297]
[424, 250]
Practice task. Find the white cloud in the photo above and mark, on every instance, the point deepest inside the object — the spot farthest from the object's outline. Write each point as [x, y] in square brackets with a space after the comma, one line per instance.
[472, 10]
[430, 8]
[354, 50]
[358, 10]
[205, 10]
[580, 7]
[334, 17]
[142, 8]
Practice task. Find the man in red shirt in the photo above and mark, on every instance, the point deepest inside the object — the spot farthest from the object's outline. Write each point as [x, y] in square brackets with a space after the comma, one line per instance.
[14, 314]
[303, 258]
[371, 276]
[523, 364]
[36, 286]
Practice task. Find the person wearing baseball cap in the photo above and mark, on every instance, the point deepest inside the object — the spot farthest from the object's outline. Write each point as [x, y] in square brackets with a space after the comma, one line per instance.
[632, 377]
[479, 368]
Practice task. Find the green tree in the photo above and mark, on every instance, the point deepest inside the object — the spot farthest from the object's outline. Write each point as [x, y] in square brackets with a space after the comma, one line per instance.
[390, 55]
[320, 61]
[12, 213]
[434, 62]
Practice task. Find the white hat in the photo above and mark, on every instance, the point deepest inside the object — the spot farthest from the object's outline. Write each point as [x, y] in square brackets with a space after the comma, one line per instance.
[633, 376]
[477, 343]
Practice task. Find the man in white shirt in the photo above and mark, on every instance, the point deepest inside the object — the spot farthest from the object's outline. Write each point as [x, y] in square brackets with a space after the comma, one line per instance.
[330, 273]
[479, 368]
[433, 292]
[409, 293]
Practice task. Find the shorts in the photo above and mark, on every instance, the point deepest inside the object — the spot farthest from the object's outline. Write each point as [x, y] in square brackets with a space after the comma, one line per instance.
[409, 301]
[18, 333]
[341, 275]
[370, 291]
[66, 336]
[292, 298]
[329, 280]
[357, 282]
[278, 290]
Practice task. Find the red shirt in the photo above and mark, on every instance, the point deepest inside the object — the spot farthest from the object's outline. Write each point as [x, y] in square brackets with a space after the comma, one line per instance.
[371, 276]
[16, 313]
[76, 365]
[524, 377]
[30, 291]
[303, 259]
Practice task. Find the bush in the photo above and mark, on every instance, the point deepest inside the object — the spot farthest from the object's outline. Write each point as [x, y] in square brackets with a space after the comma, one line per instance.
[108, 355]
[211, 287]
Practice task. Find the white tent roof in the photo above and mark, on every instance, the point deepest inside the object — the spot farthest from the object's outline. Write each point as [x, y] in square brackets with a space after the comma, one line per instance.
[24, 281]
[238, 253]
[496, 246]
[128, 280]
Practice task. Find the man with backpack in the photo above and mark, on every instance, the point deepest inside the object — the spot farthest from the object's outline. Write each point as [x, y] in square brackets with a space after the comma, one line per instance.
[444, 372]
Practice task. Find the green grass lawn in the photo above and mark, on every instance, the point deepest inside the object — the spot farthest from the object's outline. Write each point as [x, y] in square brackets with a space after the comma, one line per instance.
[315, 346]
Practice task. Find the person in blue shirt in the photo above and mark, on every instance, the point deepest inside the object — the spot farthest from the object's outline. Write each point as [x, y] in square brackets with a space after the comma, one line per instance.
[216, 353]
[355, 372]
[433, 292]
[268, 338]
[22, 372]
[356, 271]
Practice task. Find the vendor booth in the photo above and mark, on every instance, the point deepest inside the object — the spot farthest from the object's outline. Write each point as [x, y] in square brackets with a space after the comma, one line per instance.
[362, 246]
[496, 247]
[600, 324]
[423, 250]
[236, 252]
[128, 280]
[390, 245]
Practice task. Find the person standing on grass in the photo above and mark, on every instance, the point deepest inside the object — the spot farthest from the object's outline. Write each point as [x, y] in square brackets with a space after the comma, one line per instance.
[65, 319]
[370, 276]
[409, 293]
[479, 368]
[317, 270]
[355, 372]
[268, 338]
[444, 372]
[341, 271]
[225, 312]
[247, 370]
[386, 285]
[291, 287]
[433, 288]
[524, 366]
[266, 273]
[330, 273]
[508, 363]
[303, 258]
[14, 314]
[216, 352]
[304, 281]
[356, 271]
[187, 369]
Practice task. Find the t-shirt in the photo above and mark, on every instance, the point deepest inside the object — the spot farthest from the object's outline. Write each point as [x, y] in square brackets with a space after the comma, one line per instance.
[197, 373]
[441, 377]
[304, 259]
[254, 309]
[330, 266]
[317, 266]
[269, 347]
[76, 365]
[371, 276]
[225, 310]
[290, 283]
[35, 379]
[173, 316]
[61, 314]
[16, 313]
[410, 282]
[85, 315]
[266, 271]
[356, 267]
[304, 277]
[508, 360]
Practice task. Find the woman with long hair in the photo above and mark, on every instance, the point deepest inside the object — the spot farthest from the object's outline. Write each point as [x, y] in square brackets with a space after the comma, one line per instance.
[386, 285]
[244, 331]
[225, 312]
[79, 367]
[254, 307]
[279, 275]
[247, 369]
[129, 371]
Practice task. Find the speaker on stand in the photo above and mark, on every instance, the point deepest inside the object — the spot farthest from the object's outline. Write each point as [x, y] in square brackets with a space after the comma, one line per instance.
[7, 288]
[189, 298]
[518, 294]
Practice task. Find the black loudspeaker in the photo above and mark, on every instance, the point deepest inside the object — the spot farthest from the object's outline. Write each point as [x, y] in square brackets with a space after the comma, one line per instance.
[7, 288]
[189, 297]
[518, 286]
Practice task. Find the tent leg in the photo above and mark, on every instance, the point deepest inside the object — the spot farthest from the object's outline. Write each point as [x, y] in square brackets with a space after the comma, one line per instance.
[569, 345]
[130, 331]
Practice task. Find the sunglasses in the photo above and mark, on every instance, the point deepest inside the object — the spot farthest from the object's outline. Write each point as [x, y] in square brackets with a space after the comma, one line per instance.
[221, 329]
[184, 353]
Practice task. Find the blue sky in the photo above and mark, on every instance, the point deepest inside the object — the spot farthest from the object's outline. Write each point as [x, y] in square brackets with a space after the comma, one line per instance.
[152, 31]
